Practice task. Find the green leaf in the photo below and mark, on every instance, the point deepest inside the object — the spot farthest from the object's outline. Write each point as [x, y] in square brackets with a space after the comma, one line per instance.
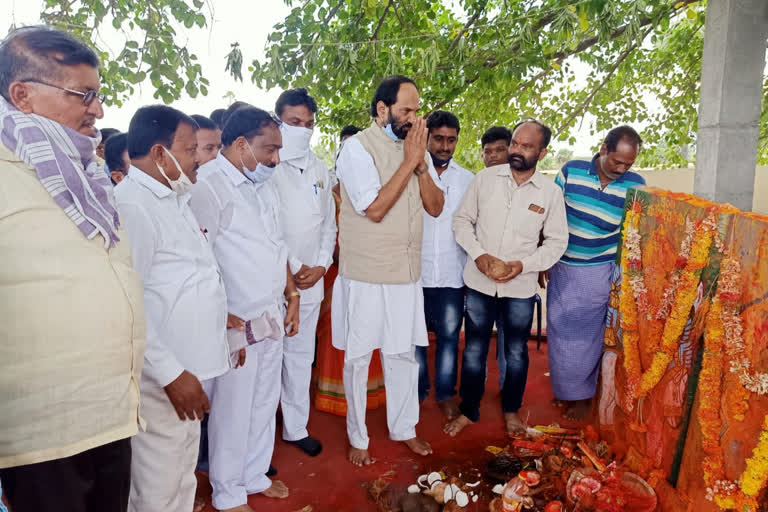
[583, 21]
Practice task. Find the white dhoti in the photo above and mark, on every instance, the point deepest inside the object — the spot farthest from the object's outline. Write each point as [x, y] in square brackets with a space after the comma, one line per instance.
[241, 426]
[164, 456]
[298, 355]
[389, 317]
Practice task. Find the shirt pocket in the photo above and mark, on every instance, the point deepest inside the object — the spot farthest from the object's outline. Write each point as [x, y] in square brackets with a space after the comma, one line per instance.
[531, 224]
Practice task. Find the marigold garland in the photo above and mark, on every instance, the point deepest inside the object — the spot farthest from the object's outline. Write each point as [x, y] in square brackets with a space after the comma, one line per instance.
[728, 287]
[723, 337]
[710, 389]
[641, 383]
[628, 314]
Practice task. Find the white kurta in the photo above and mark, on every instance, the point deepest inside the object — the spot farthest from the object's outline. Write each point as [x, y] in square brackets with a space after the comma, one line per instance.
[307, 218]
[181, 279]
[186, 323]
[241, 218]
[370, 316]
[442, 259]
[308, 223]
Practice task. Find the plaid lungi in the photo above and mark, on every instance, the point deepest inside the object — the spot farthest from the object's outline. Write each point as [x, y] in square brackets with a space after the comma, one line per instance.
[577, 303]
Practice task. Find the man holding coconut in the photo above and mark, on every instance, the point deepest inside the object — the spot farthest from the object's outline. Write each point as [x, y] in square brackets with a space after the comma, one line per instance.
[498, 223]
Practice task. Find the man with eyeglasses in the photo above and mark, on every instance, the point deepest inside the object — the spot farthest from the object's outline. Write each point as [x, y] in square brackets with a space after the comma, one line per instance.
[69, 366]
[504, 210]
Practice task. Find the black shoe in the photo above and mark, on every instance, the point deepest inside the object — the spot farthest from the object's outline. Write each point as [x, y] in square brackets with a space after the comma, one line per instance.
[309, 445]
[272, 471]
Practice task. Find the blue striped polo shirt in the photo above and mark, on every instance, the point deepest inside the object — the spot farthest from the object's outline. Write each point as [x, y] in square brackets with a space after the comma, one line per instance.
[594, 214]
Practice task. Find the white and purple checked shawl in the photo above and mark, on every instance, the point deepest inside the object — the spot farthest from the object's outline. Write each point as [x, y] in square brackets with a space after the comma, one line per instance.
[65, 163]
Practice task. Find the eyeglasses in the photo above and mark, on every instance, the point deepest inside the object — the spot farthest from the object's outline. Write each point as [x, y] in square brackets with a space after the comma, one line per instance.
[88, 96]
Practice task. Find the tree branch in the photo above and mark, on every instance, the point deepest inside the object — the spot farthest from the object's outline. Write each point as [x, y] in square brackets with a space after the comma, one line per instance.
[560, 56]
[466, 27]
[585, 104]
[375, 35]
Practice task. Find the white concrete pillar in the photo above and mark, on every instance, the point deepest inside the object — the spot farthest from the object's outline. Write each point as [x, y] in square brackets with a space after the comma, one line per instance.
[731, 92]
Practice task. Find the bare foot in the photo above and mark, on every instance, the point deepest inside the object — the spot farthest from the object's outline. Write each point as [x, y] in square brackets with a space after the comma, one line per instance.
[513, 423]
[577, 410]
[277, 490]
[241, 508]
[457, 425]
[449, 408]
[556, 402]
[360, 457]
[418, 446]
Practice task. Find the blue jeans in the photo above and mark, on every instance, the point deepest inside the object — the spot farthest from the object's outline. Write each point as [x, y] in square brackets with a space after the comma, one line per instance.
[501, 360]
[516, 319]
[444, 311]
[202, 454]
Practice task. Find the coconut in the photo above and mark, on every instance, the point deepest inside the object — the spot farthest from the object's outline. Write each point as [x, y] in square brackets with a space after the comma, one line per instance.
[438, 492]
[414, 489]
[433, 477]
[498, 269]
[448, 493]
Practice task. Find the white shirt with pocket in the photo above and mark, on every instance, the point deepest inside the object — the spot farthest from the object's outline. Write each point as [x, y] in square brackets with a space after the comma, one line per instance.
[184, 298]
[307, 218]
[442, 259]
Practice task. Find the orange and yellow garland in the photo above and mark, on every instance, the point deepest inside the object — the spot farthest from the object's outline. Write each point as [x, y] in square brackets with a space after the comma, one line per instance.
[640, 383]
[722, 337]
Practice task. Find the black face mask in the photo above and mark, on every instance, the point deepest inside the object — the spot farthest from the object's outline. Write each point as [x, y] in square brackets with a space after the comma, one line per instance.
[439, 162]
[518, 162]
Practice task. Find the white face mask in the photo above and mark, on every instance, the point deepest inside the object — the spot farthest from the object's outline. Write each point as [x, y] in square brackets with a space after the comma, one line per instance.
[261, 173]
[295, 144]
[180, 185]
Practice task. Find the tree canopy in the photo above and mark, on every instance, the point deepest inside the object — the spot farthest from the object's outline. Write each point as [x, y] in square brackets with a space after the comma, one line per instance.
[488, 61]
[151, 49]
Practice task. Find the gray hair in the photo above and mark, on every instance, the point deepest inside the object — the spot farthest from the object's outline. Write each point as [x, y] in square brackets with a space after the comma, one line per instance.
[38, 52]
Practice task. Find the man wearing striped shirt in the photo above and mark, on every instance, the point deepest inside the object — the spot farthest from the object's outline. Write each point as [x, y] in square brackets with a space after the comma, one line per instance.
[580, 283]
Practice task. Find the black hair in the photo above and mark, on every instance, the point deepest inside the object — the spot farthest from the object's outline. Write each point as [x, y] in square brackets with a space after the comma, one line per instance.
[625, 132]
[204, 123]
[155, 124]
[107, 133]
[294, 97]
[246, 122]
[546, 132]
[38, 52]
[440, 118]
[231, 110]
[387, 91]
[496, 133]
[349, 131]
[216, 117]
[113, 151]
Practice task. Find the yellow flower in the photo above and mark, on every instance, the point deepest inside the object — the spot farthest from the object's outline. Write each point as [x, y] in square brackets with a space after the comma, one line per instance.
[756, 473]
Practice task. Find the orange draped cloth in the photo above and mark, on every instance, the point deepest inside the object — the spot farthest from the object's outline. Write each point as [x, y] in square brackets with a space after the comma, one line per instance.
[330, 361]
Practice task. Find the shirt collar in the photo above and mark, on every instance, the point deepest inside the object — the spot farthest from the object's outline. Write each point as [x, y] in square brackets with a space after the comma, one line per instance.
[452, 166]
[149, 183]
[593, 171]
[593, 165]
[233, 173]
[504, 170]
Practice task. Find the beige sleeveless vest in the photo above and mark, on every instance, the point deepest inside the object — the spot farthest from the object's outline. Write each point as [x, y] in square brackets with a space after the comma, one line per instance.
[386, 252]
